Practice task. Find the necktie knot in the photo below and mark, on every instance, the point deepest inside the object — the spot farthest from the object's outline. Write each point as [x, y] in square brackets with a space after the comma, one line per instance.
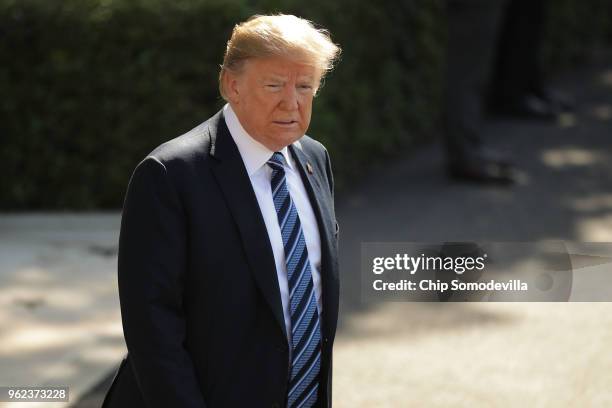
[277, 161]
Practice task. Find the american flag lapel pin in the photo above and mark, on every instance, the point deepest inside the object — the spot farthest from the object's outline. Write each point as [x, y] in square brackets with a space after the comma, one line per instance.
[308, 167]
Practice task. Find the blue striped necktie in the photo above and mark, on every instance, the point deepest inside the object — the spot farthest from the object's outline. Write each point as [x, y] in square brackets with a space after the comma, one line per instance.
[305, 328]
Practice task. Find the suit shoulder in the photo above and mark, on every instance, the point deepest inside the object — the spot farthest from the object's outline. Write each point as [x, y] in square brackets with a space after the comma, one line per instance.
[184, 148]
[313, 147]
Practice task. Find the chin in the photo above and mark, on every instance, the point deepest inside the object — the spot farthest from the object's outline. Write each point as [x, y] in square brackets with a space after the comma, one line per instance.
[286, 139]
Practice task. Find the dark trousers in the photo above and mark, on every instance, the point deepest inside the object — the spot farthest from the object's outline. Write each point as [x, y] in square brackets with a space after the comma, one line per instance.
[493, 53]
[518, 68]
[473, 26]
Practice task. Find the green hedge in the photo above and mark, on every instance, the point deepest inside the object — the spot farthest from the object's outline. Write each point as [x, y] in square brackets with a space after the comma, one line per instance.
[91, 86]
[575, 29]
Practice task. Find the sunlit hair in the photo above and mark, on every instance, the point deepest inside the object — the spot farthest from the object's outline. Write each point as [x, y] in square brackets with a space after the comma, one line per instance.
[278, 36]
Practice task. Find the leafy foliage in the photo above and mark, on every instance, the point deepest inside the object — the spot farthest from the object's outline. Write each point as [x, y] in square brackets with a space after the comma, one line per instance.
[91, 86]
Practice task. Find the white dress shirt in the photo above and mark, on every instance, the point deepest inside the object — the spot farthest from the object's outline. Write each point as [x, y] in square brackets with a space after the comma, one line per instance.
[255, 156]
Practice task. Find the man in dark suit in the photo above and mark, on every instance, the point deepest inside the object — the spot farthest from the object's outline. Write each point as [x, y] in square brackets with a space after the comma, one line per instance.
[228, 275]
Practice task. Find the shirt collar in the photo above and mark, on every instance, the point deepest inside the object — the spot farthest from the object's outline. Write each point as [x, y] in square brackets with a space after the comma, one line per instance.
[254, 154]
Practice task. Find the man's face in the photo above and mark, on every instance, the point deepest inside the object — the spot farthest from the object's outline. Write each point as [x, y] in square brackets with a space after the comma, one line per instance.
[272, 98]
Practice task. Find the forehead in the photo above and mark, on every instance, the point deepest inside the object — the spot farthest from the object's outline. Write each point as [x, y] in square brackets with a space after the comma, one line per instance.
[280, 67]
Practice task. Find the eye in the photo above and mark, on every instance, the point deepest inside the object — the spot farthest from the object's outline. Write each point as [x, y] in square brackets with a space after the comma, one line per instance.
[305, 88]
[273, 87]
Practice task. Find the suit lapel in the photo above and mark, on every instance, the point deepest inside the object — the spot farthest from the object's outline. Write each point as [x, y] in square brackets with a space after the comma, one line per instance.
[236, 186]
[322, 210]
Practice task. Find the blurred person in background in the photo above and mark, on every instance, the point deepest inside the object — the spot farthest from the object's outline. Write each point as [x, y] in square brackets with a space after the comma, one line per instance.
[493, 53]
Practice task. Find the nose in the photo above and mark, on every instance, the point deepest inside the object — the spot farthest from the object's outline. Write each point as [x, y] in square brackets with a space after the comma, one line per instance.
[289, 100]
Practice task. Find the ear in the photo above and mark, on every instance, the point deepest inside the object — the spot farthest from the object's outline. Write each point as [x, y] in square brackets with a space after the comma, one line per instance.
[231, 84]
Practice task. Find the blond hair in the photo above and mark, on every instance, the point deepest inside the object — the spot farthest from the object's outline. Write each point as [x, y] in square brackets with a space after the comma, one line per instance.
[279, 35]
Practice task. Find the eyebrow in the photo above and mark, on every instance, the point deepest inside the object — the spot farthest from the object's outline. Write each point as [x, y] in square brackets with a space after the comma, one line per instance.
[274, 77]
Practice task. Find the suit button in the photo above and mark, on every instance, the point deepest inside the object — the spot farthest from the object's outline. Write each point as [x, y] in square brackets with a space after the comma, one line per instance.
[276, 405]
[325, 340]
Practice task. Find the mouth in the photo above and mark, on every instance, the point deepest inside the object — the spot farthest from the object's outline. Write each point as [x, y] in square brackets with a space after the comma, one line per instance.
[285, 123]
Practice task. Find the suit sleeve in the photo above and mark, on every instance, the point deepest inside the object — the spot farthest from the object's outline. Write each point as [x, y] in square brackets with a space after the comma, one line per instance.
[151, 269]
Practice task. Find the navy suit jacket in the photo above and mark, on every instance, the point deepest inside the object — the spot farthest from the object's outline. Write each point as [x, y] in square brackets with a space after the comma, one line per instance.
[200, 300]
